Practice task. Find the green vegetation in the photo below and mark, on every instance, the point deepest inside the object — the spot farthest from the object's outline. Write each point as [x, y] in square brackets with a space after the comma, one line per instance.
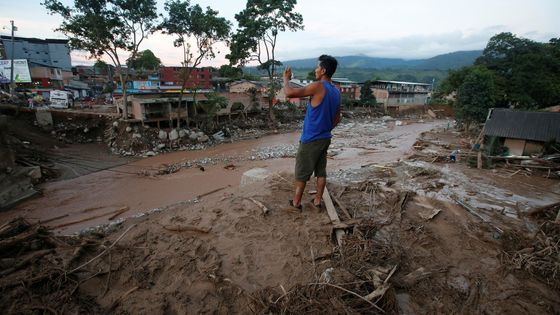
[363, 74]
[193, 24]
[512, 72]
[475, 96]
[107, 28]
[366, 95]
[256, 37]
[144, 61]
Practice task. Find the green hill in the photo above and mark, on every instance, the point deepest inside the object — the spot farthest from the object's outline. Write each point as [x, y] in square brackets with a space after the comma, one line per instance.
[448, 61]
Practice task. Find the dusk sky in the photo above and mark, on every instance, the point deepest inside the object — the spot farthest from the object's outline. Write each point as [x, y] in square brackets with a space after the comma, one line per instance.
[397, 29]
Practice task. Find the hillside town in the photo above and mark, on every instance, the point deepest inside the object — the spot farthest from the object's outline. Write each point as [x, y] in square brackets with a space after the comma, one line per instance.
[140, 187]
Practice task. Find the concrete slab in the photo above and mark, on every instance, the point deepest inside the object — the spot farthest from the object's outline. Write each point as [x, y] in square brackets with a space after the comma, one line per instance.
[44, 118]
[254, 175]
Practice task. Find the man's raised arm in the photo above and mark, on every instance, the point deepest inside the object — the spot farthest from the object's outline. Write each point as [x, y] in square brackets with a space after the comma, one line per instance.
[308, 90]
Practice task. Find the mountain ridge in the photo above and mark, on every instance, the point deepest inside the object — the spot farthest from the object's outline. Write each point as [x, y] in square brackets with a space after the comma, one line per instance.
[452, 60]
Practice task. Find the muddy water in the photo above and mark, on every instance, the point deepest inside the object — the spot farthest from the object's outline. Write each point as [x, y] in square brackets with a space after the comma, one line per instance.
[91, 199]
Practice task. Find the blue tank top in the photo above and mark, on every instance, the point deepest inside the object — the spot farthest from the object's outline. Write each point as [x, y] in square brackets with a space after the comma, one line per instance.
[318, 121]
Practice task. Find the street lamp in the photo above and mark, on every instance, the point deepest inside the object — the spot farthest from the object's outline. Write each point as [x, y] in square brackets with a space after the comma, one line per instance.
[12, 83]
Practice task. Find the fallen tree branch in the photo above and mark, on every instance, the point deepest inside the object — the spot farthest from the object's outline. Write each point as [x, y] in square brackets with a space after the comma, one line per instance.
[212, 191]
[119, 212]
[26, 261]
[112, 213]
[353, 293]
[102, 253]
[185, 228]
[260, 205]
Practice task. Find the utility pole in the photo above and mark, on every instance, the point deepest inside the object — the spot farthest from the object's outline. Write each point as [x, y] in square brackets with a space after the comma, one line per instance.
[12, 83]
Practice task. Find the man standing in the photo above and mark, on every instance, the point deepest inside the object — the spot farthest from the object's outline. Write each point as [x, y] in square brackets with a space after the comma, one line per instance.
[323, 114]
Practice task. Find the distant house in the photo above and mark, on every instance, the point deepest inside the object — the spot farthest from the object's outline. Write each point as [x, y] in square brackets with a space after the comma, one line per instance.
[523, 132]
[243, 86]
[157, 108]
[347, 87]
[170, 78]
[166, 80]
[96, 78]
[398, 93]
[53, 53]
[300, 102]
[49, 61]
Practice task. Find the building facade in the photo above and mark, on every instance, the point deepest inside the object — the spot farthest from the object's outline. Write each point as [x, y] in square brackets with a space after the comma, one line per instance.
[170, 78]
[399, 93]
[49, 61]
[51, 53]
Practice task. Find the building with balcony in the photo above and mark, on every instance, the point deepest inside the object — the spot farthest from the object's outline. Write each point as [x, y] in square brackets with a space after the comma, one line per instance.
[399, 93]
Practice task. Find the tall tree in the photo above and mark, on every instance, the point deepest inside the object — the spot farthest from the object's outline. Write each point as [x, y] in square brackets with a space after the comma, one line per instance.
[311, 75]
[193, 24]
[231, 72]
[366, 95]
[107, 28]
[475, 96]
[100, 67]
[527, 72]
[144, 60]
[256, 37]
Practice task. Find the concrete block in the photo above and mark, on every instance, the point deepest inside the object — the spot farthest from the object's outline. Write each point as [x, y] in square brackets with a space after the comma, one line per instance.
[44, 118]
[173, 135]
[254, 175]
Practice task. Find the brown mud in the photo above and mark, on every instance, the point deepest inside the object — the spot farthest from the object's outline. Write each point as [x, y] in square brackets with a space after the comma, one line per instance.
[409, 247]
[108, 190]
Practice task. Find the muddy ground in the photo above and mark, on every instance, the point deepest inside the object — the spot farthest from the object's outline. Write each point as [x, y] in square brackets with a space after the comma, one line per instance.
[420, 237]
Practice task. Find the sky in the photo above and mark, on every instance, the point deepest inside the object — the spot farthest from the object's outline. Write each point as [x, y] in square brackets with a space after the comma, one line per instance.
[408, 29]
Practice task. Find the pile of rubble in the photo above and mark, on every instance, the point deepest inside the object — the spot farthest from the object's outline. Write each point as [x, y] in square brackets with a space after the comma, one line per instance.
[138, 140]
[434, 151]
[79, 131]
[22, 165]
[47, 266]
[144, 140]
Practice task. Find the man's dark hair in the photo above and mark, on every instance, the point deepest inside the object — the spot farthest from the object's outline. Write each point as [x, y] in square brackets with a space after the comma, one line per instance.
[328, 63]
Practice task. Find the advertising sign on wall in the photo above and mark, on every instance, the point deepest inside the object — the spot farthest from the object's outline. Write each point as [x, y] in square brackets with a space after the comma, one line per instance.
[21, 71]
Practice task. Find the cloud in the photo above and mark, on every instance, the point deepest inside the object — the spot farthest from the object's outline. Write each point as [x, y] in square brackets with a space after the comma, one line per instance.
[409, 47]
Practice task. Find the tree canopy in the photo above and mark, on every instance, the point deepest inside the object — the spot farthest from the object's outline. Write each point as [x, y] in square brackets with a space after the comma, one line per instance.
[512, 72]
[475, 95]
[191, 24]
[527, 72]
[256, 37]
[144, 60]
[229, 71]
[366, 95]
[106, 28]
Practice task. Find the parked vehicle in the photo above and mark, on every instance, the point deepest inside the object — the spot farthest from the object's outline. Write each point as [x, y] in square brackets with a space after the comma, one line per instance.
[61, 99]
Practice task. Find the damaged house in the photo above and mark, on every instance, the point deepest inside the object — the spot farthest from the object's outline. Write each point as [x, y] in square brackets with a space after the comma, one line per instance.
[523, 132]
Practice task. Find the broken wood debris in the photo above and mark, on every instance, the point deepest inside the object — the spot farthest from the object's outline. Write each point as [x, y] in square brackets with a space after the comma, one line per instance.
[260, 205]
[113, 213]
[103, 252]
[342, 207]
[472, 211]
[415, 276]
[212, 191]
[186, 228]
[331, 211]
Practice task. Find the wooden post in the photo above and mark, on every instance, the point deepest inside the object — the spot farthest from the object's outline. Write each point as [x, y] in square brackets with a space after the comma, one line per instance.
[331, 211]
[479, 159]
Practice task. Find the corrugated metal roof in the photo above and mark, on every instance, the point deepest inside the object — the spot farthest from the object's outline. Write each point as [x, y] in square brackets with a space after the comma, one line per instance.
[538, 126]
[402, 82]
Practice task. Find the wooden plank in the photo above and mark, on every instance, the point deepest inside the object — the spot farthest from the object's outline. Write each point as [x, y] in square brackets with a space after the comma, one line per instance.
[342, 207]
[331, 211]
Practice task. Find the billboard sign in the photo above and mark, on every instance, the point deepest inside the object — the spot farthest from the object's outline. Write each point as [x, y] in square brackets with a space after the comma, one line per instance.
[21, 71]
